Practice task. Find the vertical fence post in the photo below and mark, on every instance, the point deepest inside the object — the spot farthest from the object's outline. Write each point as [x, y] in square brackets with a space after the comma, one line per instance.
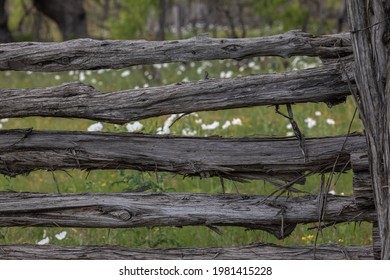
[370, 31]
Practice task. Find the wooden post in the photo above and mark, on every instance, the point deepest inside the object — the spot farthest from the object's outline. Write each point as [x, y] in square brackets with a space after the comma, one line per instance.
[370, 30]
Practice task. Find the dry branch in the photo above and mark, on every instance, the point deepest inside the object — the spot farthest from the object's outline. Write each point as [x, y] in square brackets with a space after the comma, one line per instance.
[76, 100]
[276, 215]
[93, 54]
[248, 252]
[22, 151]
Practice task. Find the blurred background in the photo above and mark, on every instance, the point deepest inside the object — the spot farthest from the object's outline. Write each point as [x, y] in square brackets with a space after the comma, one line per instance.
[54, 20]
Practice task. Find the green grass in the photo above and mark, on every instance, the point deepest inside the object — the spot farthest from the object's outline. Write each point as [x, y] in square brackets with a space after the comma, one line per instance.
[257, 121]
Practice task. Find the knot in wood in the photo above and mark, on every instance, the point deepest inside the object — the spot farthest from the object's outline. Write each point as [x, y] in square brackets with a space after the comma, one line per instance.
[121, 214]
[232, 48]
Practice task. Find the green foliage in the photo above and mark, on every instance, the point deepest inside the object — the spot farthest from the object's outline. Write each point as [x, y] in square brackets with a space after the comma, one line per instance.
[132, 19]
[288, 14]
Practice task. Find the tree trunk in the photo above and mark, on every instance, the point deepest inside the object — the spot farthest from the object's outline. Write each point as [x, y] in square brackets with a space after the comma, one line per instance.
[70, 16]
[5, 34]
[370, 29]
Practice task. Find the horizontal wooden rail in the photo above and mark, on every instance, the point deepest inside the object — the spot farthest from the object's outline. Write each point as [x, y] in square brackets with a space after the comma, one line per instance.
[277, 216]
[76, 100]
[23, 151]
[248, 252]
[93, 54]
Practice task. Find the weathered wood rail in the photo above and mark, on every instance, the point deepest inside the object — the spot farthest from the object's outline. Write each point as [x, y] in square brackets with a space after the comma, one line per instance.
[278, 216]
[76, 100]
[26, 150]
[248, 252]
[91, 54]
[22, 151]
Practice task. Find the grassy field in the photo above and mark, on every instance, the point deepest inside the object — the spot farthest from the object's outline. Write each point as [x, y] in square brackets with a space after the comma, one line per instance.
[314, 120]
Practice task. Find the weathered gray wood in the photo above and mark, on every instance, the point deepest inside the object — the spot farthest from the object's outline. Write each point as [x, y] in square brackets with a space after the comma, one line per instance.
[76, 100]
[259, 251]
[22, 151]
[277, 216]
[362, 181]
[370, 31]
[362, 189]
[94, 54]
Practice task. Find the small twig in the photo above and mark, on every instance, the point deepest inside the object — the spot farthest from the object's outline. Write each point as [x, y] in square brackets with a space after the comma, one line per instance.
[371, 26]
[55, 181]
[295, 127]
[222, 184]
[27, 132]
[178, 118]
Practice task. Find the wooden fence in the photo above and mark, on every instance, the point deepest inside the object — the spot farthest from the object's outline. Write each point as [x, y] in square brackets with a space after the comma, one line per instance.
[284, 159]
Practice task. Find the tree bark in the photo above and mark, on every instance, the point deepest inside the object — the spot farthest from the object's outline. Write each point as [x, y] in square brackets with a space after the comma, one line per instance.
[259, 251]
[370, 29]
[69, 15]
[83, 54]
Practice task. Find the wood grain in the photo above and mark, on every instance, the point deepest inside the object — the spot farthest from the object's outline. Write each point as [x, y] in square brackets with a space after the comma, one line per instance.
[82, 54]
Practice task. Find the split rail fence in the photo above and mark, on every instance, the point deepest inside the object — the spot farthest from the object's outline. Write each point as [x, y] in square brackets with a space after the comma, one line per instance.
[26, 150]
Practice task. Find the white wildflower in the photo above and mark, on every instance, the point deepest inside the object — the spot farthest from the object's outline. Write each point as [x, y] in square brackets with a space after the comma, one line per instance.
[146, 85]
[163, 130]
[229, 74]
[61, 235]
[136, 126]
[332, 192]
[222, 74]
[57, 77]
[101, 71]
[125, 73]
[226, 124]
[241, 69]
[317, 113]
[157, 66]
[44, 241]
[289, 126]
[198, 121]
[212, 126]
[251, 64]
[29, 72]
[95, 127]
[290, 133]
[236, 121]
[4, 120]
[71, 73]
[330, 121]
[81, 76]
[88, 72]
[1, 126]
[188, 132]
[93, 81]
[310, 122]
